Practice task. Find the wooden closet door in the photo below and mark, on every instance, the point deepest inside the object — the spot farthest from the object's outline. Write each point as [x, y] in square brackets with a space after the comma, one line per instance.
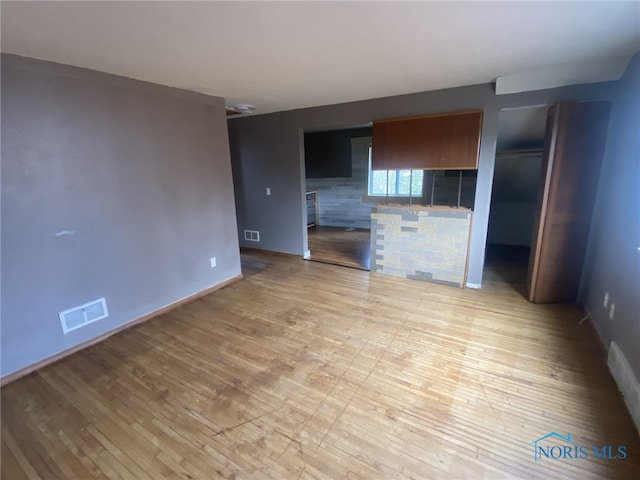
[574, 147]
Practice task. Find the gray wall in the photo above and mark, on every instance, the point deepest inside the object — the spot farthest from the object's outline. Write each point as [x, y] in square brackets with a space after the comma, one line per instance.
[266, 152]
[341, 201]
[522, 128]
[110, 188]
[514, 199]
[516, 177]
[613, 259]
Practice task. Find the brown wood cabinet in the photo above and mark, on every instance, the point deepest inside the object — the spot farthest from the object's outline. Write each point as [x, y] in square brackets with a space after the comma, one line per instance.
[447, 141]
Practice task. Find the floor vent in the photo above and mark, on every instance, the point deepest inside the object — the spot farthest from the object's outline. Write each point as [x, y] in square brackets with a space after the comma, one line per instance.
[252, 235]
[77, 317]
[626, 380]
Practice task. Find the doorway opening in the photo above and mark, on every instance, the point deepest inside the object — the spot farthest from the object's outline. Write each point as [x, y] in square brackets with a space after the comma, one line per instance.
[337, 211]
[567, 173]
[516, 181]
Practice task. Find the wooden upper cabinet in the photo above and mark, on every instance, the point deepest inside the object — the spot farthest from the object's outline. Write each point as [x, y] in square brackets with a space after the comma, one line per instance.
[378, 157]
[460, 141]
[434, 142]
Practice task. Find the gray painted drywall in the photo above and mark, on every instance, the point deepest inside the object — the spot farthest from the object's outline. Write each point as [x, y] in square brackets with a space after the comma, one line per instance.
[341, 201]
[516, 177]
[613, 257]
[111, 188]
[514, 199]
[522, 128]
[266, 152]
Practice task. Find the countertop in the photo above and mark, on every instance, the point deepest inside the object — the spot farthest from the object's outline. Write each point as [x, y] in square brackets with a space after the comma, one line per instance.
[423, 208]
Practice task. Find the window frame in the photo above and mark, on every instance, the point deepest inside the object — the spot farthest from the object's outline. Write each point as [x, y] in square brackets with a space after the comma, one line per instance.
[396, 197]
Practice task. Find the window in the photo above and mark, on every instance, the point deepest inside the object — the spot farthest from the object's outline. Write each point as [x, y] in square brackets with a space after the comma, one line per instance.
[398, 183]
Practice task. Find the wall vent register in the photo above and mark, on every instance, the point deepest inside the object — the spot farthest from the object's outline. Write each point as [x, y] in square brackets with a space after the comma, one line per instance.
[252, 235]
[77, 317]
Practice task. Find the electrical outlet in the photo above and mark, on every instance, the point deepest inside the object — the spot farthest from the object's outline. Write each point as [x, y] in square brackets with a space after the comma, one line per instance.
[605, 302]
[268, 191]
[213, 262]
[612, 311]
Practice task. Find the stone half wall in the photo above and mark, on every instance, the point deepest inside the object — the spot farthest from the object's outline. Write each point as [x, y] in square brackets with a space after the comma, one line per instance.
[421, 244]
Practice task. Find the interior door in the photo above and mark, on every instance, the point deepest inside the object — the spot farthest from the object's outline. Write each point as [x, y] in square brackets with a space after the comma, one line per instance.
[574, 147]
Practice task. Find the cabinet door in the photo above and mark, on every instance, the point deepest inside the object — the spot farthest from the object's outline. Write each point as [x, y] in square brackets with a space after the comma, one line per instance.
[460, 141]
[406, 144]
[378, 141]
[574, 147]
[433, 142]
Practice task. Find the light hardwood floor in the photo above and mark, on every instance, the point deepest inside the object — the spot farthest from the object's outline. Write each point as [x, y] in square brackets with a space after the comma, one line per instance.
[307, 370]
[340, 246]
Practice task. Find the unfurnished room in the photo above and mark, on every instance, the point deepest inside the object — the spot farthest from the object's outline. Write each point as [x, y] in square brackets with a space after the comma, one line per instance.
[320, 240]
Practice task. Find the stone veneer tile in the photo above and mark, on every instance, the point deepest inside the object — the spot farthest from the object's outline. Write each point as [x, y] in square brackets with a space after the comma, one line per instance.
[409, 217]
[448, 214]
[421, 245]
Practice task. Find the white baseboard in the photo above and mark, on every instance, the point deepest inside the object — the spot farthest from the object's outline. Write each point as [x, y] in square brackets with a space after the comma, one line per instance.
[477, 286]
[626, 380]
[307, 254]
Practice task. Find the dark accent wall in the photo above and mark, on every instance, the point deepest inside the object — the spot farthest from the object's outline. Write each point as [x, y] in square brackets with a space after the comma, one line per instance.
[514, 199]
[267, 151]
[328, 154]
[341, 201]
[613, 257]
[446, 185]
[111, 188]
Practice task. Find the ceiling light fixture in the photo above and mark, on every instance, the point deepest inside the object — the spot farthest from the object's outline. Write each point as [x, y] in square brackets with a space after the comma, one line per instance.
[241, 108]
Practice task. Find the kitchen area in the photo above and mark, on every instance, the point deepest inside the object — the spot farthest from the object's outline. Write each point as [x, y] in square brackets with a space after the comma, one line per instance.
[426, 238]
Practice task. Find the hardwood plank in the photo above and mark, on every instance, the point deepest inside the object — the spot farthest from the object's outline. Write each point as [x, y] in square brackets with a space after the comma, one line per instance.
[340, 246]
[307, 370]
[14, 463]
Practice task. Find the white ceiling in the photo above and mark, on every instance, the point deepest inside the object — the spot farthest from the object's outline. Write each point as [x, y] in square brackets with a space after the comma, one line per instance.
[280, 56]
